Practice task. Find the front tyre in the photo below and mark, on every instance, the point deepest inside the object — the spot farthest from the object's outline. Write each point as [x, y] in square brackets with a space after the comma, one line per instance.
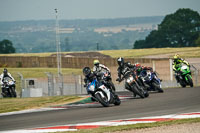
[190, 81]
[182, 83]
[104, 101]
[138, 90]
[157, 87]
[13, 92]
[146, 93]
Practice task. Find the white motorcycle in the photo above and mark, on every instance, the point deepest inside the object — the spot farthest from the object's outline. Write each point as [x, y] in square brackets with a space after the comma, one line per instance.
[102, 94]
[8, 88]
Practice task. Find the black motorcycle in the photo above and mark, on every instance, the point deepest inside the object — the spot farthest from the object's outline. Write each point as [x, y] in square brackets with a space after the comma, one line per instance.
[134, 85]
[8, 88]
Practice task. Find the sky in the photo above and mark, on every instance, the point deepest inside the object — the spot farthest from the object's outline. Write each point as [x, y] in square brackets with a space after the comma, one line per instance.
[17, 10]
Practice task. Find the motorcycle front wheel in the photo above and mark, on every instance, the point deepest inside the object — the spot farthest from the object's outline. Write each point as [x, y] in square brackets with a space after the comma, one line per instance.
[13, 92]
[190, 81]
[139, 91]
[104, 101]
[157, 87]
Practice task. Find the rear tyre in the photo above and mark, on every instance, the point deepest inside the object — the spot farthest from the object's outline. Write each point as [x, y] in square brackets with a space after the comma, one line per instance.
[117, 101]
[103, 101]
[146, 94]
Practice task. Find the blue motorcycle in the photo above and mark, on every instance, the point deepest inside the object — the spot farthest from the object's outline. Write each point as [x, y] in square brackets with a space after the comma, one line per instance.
[102, 94]
[151, 81]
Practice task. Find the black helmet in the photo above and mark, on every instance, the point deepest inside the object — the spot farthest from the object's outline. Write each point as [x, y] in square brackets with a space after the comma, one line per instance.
[86, 71]
[120, 61]
[5, 71]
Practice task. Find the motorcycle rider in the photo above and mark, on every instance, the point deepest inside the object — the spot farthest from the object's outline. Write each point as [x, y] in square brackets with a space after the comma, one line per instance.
[123, 68]
[177, 61]
[89, 76]
[98, 68]
[140, 68]
[2, 76]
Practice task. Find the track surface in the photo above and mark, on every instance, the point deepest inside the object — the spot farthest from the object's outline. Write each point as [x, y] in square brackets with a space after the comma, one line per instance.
[172, 101]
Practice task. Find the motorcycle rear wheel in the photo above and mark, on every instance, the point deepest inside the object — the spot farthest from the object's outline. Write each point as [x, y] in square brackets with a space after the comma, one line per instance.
[117, 100]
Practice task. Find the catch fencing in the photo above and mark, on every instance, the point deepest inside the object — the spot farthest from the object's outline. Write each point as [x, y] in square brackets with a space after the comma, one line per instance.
[72, 84]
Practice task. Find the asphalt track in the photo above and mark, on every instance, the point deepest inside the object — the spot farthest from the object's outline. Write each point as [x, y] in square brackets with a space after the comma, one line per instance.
[172, 101]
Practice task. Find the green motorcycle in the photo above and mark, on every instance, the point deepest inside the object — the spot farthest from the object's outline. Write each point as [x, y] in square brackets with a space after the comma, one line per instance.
[184, 75]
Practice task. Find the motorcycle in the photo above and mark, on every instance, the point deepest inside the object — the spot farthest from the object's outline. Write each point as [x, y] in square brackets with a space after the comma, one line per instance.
[184, 76]
[151, 81]
[133, 84]
[102, 94]
[8, 88]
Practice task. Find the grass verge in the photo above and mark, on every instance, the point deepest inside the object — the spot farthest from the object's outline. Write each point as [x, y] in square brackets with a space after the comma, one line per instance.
[136, 126]
[131, 53]
[17, 104]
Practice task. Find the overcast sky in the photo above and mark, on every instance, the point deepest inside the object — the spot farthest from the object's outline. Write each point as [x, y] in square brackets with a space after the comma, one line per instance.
[12, 10]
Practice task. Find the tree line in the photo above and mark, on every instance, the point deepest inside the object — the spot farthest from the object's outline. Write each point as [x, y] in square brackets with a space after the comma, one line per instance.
[180, 29]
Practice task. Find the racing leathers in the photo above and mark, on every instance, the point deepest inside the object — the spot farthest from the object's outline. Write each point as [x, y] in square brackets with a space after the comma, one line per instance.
[123, 70]
[176, 66]
[2, 76]
[100, 68]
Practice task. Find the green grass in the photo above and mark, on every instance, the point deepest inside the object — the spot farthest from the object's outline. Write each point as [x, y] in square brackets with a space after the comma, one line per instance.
[185, 52]
[17, 104]
[135, 126]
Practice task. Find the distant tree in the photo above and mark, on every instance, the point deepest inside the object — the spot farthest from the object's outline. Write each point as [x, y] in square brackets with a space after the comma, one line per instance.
[6, 47]
[197, 42]
[180, 29]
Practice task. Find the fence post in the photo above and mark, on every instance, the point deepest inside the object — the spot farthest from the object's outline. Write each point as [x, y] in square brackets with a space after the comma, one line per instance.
[75, 84]
[154, 65]
[171, 69]
[80, 82]
[50, 84]
[22, 82]
[60, 84]
[196, 72]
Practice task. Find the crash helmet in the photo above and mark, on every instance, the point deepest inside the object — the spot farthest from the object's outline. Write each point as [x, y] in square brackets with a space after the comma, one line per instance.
[86, 71]
[177, 56]
[137, 65]
[120, 61]
[96, 62]
[5, 71]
